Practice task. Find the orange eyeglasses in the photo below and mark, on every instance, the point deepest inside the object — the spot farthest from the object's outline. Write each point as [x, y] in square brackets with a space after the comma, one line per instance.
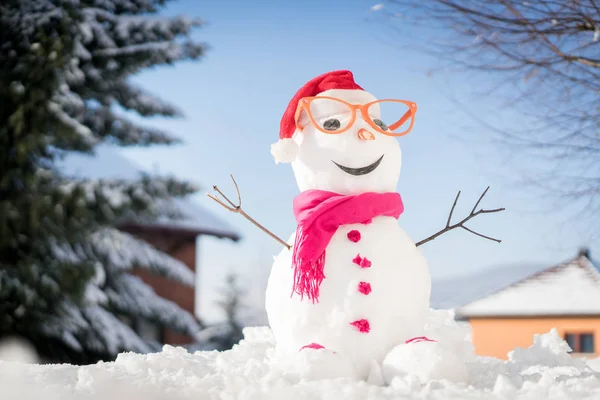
[334, 116]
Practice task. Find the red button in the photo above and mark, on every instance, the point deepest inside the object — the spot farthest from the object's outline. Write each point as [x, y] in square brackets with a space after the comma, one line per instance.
[312, 346]
[354, 235]
[419, 339]
[363, 262]
[364, 288]
[362, 325]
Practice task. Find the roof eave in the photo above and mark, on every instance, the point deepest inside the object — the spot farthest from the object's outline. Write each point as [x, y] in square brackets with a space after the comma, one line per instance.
[180, 230]
[466, 317]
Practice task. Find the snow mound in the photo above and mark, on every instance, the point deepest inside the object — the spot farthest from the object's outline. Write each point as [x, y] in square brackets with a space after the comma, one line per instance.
[254, 370]
[18, 351]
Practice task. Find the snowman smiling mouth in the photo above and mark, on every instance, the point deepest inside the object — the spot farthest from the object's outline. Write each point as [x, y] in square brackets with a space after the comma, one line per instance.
[362, 170]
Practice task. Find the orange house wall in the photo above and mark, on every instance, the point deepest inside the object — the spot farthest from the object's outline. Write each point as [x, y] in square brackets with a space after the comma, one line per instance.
[497, 336]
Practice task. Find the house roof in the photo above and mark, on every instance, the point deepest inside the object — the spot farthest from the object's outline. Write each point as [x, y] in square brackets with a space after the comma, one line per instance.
[457, 291]
[568, 289]
[108, 163]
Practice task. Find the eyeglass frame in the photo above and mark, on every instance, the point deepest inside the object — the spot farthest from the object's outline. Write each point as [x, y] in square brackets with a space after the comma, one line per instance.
[304, 105]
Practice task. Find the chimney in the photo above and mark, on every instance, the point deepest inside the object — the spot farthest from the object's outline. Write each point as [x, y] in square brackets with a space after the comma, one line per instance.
[584, 252]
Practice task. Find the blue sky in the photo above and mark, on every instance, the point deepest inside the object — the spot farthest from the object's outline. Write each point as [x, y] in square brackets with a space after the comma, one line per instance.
[260, 54]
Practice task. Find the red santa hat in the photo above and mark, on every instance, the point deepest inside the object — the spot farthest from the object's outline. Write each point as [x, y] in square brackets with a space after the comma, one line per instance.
[339, 84]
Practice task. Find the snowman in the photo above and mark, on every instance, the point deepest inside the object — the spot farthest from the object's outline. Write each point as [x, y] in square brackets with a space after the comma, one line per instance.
[350, 285]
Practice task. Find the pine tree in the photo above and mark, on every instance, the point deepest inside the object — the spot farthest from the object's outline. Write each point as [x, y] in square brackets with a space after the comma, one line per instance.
[227, 333]
[232, 303]
[64, 266]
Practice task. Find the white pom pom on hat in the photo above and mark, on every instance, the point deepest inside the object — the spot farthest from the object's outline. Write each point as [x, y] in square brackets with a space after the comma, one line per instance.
[285, 150]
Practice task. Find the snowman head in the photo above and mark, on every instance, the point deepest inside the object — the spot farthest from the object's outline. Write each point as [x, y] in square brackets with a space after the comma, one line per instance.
[340, 138]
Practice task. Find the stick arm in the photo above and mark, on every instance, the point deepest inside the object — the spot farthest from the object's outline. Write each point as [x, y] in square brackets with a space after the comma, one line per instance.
[461, 224]
[237, 208]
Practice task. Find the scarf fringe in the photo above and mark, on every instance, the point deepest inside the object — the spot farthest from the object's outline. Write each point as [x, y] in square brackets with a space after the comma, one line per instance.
[308, 274]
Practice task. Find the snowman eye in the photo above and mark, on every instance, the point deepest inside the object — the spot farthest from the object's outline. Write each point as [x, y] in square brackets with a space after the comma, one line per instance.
[380, 124]
[332, 124]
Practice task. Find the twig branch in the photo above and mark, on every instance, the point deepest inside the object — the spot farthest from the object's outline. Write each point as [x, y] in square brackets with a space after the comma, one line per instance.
[461, 224]
[452, 209]
[237, 208]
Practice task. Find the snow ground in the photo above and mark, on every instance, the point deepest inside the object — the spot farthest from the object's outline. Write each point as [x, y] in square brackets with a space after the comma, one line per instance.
[252, 370]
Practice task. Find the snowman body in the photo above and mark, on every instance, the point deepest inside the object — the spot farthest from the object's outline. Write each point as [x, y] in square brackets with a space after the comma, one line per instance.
[375, 294]
[381, 278]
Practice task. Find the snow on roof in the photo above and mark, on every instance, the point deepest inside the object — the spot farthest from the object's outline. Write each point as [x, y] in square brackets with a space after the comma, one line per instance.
[455, 292]
[196, 219]
[571, 288]
[108, 163]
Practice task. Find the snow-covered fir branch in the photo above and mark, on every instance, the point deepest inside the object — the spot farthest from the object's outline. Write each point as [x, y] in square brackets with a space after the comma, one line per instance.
[114, 288]
[130, 295]
[123, 252]
[112, 127]
[67, 65]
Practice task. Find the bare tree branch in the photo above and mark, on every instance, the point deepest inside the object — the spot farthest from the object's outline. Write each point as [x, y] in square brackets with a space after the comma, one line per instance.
[461, 224]
[542, 57]
[237, 208]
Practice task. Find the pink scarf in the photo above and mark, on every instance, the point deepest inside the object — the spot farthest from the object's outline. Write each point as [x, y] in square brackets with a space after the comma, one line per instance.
[319, 214]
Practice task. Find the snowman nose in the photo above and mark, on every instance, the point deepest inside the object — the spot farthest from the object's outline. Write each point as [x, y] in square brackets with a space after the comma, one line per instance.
[364, 134]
